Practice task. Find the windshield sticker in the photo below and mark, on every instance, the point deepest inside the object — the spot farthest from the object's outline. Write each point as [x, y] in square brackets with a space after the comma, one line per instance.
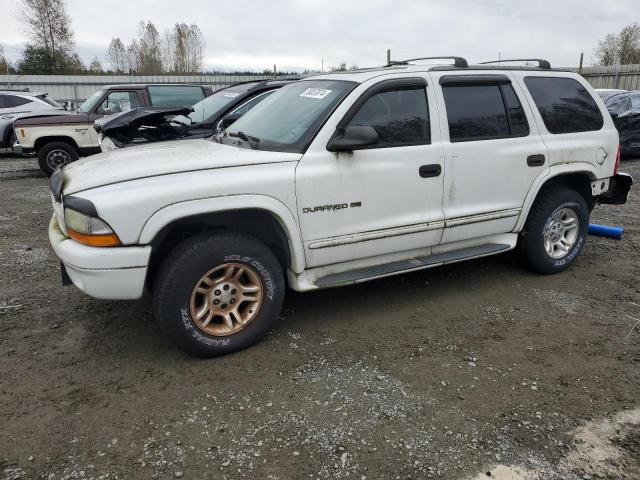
[231, 94]
[315, 93]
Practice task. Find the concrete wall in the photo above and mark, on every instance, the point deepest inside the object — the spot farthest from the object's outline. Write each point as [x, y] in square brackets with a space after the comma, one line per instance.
[79, 87]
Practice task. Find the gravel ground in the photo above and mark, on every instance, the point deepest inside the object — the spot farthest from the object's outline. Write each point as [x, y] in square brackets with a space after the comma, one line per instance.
[475, 370]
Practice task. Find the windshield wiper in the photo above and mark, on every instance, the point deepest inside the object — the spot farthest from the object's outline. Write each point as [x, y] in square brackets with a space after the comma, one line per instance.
[251, 140]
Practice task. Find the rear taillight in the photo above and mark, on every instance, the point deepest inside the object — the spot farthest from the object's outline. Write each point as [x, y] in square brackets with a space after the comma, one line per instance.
[615, 168]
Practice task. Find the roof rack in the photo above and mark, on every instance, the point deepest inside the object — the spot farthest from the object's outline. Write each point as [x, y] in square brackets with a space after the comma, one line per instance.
[457, 61]
[544, 64]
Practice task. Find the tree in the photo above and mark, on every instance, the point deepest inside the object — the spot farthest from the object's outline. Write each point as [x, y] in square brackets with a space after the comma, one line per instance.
[620, 49]
[340, 68]
[38, 61]
[182, 48]
[5, 66]
[149, 59]
[49, 28]
[95, 66]
[118, 56]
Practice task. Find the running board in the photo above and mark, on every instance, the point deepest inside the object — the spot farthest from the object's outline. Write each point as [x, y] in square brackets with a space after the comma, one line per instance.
[377, 271]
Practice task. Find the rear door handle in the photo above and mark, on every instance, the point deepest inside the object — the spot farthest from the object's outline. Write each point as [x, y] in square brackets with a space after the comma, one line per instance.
[427, 171]
[535, 160]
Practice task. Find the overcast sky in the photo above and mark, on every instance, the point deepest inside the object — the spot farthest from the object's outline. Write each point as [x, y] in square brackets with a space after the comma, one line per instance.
[298, 34]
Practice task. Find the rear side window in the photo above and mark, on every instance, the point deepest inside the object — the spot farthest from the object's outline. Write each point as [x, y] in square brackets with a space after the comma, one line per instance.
[400, 116]
[14, 101]
[564, 105]
[174, 96]
[483, 112]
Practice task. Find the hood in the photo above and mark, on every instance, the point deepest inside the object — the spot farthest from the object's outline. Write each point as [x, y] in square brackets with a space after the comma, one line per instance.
[164, 158]
[48, 118]
[129, 122]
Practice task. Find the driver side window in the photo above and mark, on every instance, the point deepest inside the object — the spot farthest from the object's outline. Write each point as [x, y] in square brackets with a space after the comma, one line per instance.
[399, 115]
[117, 102]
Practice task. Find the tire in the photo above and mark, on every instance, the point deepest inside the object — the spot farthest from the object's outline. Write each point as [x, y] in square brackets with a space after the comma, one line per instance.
[554, 207]
[55, 155]
[176, 302]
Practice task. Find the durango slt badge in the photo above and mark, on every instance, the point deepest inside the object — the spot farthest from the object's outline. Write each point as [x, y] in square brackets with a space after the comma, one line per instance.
[335, 206]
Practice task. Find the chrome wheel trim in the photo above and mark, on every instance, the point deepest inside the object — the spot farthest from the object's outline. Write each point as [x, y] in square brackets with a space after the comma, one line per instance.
[561, 232]
[58, 158]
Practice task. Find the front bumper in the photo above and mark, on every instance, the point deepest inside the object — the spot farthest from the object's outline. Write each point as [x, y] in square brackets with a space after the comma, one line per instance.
[116, 273]
[619, 187]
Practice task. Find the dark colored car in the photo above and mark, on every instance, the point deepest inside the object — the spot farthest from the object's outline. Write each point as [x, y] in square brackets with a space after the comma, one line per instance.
[625, 111]
[216, 112]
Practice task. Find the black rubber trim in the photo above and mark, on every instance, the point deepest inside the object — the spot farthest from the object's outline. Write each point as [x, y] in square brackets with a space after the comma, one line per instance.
[410, 82]
[81, 205]
[466, 80]
[55, 183]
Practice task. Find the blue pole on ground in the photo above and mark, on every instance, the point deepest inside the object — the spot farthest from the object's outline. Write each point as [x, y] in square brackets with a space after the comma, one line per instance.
[605, 231]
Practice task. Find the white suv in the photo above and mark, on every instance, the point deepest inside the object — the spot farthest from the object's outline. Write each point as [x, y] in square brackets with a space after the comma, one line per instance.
[338, 179]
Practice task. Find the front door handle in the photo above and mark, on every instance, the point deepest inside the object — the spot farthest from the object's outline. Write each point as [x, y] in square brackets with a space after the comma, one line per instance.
[535, 160]
[427, 171]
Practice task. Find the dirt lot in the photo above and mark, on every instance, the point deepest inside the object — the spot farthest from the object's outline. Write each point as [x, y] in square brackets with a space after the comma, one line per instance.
[373, 381]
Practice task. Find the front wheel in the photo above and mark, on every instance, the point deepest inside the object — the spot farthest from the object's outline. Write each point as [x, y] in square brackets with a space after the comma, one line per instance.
[556, 230]
[218, 293]
[56, 155]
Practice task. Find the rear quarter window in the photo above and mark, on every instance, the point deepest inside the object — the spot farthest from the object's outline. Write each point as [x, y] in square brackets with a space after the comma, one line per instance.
[174, 96]
[564, 105]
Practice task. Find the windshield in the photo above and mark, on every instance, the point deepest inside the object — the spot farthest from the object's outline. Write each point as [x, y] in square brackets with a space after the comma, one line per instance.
[205, 111]
[89, 103]
[288, 119]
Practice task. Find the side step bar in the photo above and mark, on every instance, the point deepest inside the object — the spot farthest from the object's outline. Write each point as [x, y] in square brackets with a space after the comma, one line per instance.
[377, 271]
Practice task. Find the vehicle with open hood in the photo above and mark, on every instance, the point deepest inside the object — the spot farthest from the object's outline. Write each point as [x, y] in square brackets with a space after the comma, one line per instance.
[61, 139]
[213, 114]
[337, 179]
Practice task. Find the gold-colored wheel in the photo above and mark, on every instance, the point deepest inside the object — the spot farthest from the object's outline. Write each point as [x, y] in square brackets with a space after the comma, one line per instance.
[226, 299]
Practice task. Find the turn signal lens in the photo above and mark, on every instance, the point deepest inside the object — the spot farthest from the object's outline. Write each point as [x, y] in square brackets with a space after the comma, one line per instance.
[110, 240]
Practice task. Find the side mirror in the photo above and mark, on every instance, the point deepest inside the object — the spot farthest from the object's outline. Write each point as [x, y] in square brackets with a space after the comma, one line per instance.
[352, 138]
[228, 120]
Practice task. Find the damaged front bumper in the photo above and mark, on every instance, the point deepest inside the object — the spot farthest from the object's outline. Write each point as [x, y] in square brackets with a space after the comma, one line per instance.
[619, 187]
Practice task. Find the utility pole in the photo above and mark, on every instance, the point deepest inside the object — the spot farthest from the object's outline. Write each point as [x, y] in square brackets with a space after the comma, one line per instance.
[275, 72]
[580, 65]
[388, 56]
[322, 65]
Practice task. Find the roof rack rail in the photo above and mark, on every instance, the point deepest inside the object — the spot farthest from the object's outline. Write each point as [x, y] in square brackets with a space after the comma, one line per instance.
[544, 64]
[457, 61]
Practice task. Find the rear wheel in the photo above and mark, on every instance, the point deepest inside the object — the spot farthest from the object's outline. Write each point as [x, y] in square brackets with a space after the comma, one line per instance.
[216, 294]
[56, 155]
[556, 230]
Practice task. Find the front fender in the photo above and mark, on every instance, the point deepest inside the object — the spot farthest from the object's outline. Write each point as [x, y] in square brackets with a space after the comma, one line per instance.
[181, 210]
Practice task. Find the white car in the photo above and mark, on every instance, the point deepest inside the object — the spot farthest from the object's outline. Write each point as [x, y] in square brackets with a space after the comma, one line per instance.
[338, 179]
[15, 104]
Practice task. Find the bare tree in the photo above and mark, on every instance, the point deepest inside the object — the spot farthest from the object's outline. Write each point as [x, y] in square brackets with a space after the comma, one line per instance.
[133, 57]
[95, 66]
[149, 49]
[4, 62]
[49, 27]
[118, 56]
[184, 45]
[622, 49]
[629, 44]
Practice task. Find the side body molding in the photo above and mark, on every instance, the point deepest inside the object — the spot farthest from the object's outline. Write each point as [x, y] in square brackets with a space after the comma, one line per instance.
[181, 210]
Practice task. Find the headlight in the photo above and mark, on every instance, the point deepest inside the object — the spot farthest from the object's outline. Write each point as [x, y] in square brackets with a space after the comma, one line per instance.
[89, 230]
